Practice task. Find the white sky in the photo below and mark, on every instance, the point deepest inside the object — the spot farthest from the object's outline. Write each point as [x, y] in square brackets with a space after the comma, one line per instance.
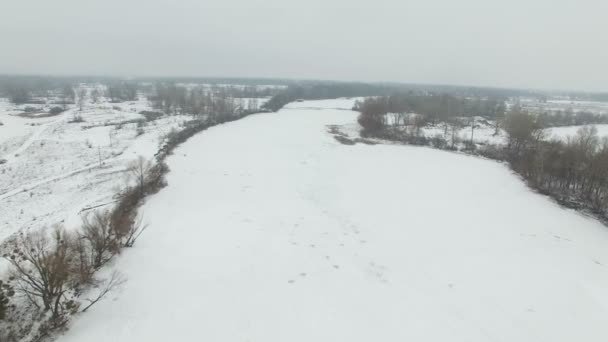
[556, 44]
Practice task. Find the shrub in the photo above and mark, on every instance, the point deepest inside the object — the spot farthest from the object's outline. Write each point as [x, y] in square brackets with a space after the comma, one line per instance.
[99, 238]
[150, 115]
[56, 110]
[439, 142]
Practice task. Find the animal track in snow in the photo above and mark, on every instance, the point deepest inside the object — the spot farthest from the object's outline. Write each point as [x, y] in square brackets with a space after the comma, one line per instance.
[377, 271]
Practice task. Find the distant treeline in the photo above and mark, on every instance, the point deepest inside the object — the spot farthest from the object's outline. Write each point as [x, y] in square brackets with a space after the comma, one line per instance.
[326, 90]
[19, 88]
[28, 89]
[315, 90]
[568, 118]
[435, 108]
[119, 91]
[428, 109]
[219, 80]
[173, 99]
[24, 89]
[583, 96]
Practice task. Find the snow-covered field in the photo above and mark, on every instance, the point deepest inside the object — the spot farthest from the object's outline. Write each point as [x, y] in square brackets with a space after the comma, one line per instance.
[563, 133]
[270, 230]
[338, 104]
[55, 169]
[535, 105]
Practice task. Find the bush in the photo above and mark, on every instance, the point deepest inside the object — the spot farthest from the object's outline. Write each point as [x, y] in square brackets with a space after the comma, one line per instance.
[469, 146]
[30, 109]
[439, 142]
[150, 115]
[56, 110]
[370, 123]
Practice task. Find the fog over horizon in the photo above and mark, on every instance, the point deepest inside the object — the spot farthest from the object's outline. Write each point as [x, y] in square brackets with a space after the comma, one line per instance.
[559, 44]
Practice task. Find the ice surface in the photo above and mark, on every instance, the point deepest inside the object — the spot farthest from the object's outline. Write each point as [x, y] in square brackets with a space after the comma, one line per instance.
[270, 230]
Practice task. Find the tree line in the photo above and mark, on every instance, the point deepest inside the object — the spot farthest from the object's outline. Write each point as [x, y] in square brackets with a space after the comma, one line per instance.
[379, 113]
[122, 91]
[174, 99]
[569, 117]
[574, 171]
[325, 90]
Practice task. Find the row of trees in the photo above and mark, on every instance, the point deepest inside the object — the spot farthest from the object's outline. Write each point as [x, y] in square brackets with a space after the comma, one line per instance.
[174, 99]
[421, 109]
[122, 91]
[569, 117]
[573, 171]
[25, 90]
[325, 90]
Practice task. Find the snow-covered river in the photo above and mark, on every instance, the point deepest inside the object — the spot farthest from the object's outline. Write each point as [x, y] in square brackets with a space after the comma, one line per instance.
[270, 230]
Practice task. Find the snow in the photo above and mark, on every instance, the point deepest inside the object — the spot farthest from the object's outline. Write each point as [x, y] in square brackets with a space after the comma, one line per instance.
[53, 171]
[535, 105]
[562, 133]
[270, 230]
[342, 103]
[483, 134]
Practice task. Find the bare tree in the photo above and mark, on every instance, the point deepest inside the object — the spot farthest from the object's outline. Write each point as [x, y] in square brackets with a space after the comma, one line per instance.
[95, 94]
[67, 95]
[139, 170]
[115, 281]
[455, 126]
[136, 228]
[82, 95]
[521, 129]
[41, 268]
[100, 238]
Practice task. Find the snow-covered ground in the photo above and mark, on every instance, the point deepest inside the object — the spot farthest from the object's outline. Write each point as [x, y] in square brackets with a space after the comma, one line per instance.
[342, 104]
[54, 169]
[270, 230]
[563, 133]
[534, 105]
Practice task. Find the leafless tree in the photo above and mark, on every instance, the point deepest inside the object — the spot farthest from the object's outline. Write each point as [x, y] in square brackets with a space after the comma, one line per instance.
[82, 95]
[133, 232]
[116, 280]
[100, 238]
[139, 170]
[95, 94]
[41, 267]
[67, 95]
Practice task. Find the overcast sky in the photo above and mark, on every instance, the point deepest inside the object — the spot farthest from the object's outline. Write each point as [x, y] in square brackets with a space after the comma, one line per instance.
[557, 44]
